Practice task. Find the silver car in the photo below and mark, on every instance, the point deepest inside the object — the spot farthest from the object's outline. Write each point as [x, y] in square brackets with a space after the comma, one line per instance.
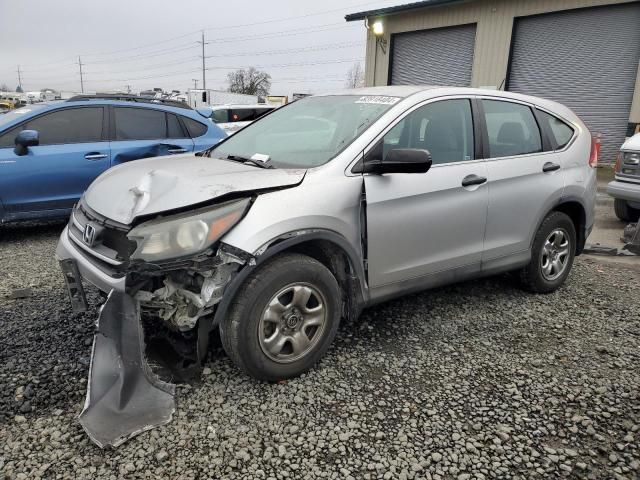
[325, 206]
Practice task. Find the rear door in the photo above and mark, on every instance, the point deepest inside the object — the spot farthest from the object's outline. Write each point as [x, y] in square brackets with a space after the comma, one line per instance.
[526, 178]
[424, 224]
[73, 151]
[139, 132]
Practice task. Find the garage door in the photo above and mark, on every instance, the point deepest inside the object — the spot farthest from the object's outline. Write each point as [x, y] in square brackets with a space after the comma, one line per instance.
[586, 59]
[443, 56]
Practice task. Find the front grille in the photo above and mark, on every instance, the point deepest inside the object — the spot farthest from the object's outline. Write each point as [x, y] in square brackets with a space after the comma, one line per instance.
[108, 244]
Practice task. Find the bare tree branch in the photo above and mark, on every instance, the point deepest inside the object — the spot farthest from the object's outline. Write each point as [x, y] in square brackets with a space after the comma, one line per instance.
[355, 76]
[249, 82]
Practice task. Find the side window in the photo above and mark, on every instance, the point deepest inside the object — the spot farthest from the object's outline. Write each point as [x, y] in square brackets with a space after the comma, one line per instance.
[196, 129]
[242, 114]
[560, 132]
[444, 128]
[71, 125]
[512, 129]
[140, 124]
[8, 138]
[220, 116]
[174, 129]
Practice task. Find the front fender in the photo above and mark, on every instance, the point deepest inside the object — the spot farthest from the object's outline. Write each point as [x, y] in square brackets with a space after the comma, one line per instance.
[286, 242]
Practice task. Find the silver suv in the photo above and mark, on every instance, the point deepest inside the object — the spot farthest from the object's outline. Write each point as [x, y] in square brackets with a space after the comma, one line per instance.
[329, 205]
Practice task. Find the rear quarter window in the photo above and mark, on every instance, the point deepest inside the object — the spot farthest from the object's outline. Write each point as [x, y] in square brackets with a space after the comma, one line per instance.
[559, 131]
[196, 129]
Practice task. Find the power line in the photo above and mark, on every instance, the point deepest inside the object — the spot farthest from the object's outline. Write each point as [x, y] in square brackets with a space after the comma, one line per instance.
[315, 48]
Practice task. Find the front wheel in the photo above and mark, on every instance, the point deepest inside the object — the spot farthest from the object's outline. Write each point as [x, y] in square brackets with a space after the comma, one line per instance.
[283, 319]
[624, 212]
[552, 254]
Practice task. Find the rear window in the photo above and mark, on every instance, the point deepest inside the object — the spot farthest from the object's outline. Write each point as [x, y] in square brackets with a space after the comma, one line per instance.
[196, 129]
[140, 124]
[174, 129]
[559, 131]
[512, 129]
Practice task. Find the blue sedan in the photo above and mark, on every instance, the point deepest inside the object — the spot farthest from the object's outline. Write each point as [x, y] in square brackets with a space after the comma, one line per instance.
[51, 152]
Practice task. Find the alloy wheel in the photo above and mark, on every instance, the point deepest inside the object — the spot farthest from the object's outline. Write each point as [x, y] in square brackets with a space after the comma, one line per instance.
[292, 323]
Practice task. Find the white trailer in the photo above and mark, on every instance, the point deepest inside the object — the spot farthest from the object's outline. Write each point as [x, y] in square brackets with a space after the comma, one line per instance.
[208, 98]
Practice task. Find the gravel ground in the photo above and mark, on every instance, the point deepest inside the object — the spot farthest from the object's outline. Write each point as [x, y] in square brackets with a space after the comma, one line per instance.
[478, 380]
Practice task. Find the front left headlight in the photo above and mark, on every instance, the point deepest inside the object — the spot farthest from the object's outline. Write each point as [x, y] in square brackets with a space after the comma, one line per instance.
[185, 234]
[631, 158]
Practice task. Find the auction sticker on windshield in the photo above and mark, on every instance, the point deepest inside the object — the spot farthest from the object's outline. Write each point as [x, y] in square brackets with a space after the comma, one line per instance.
[378, 100]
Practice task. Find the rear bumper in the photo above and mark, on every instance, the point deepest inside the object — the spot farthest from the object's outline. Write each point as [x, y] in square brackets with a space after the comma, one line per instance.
[624, 191]
[87, 269]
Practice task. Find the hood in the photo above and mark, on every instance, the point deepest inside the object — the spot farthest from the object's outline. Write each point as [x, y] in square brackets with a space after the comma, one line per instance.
[632, 144]
[156, 185]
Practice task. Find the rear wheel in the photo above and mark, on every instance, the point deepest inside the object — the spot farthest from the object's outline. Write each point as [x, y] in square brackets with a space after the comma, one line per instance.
[551, 255]
[283, 319]
[624, 212]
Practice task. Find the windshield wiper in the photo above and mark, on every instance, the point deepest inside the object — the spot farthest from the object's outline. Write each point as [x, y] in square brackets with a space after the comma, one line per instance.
[250, 161]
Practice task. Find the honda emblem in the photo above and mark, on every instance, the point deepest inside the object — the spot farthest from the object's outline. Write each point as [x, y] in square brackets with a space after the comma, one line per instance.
[89, 234]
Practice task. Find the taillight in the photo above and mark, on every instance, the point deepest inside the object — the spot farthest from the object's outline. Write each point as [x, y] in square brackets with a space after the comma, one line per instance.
[618, 163]
[595, 150]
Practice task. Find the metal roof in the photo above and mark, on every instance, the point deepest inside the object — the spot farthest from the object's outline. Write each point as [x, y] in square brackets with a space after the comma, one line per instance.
[397, 9]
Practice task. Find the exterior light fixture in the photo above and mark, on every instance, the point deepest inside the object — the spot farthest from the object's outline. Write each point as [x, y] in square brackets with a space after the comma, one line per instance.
[378, 28]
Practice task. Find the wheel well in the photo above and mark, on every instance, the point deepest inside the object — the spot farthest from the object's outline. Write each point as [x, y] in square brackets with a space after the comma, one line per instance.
[576, 213]
[340, 264]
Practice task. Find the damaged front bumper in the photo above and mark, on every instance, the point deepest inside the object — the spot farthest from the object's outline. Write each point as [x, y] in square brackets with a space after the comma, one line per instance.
[124, 396]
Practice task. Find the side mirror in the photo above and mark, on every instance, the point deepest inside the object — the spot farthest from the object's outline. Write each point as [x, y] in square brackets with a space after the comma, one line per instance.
[400, 160]
[26, 139]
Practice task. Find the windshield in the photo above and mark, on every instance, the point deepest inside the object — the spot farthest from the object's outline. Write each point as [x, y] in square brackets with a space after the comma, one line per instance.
[19, 113]
[307, 133]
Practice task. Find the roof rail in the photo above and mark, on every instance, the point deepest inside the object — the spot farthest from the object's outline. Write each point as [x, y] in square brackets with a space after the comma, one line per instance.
[130, 98]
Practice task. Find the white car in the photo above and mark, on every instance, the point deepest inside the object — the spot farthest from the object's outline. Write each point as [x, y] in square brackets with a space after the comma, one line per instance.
[232, 118]
[626, 187]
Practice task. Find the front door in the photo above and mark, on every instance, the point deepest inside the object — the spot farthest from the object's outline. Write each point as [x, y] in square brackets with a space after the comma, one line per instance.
[51, 177]
[422, 224]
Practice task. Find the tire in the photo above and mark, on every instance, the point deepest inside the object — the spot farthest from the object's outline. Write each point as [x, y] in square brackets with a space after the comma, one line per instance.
[549, 268]
[624, 212]
[268, 321]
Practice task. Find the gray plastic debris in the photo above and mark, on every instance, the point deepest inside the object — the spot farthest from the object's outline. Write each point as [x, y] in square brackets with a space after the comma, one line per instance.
[124, 397]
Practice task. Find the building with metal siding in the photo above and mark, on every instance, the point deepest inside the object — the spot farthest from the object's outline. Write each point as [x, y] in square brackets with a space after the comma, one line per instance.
[516, 47]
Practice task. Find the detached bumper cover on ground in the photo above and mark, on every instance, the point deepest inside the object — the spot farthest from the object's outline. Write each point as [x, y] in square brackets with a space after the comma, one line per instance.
[124, 397]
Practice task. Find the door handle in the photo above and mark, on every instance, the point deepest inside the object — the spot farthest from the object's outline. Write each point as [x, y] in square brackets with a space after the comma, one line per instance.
[95, 156]
[550, 167]
[473, 179]
[177, 150]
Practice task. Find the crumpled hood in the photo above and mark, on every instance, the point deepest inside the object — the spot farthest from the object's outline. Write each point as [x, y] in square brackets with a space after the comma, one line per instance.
[155, 185]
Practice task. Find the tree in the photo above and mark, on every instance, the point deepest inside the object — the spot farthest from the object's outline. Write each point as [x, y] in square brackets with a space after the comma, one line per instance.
[355, 76]
[249, 82]
[4, 87]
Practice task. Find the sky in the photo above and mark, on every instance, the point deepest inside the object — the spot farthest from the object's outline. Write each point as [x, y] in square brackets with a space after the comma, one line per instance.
[306, 47]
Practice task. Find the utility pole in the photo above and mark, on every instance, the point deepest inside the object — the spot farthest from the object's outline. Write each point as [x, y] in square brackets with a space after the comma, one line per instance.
[20, 78]
[81, 79]
[195, 83]
[204, 78]
[128, 88]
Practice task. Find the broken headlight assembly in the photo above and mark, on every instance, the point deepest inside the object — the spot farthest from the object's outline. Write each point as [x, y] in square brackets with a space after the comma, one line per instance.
[185, 234]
